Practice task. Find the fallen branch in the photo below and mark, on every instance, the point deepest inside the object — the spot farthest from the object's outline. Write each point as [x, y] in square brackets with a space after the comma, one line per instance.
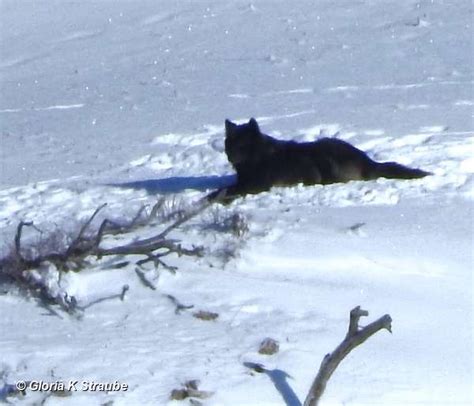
[19, 231]
[179, 306]
[86, 245]
[354, 338]
[143, 279]
[75, 244]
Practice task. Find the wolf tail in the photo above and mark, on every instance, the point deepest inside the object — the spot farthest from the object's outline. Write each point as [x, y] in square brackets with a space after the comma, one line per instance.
[393, 170]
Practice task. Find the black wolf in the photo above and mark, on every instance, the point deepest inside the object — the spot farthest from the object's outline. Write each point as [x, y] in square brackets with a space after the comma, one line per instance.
[262, 161]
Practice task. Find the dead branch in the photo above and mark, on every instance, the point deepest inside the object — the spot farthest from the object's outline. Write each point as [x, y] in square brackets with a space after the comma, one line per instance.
[224, 196]
[143, 279]
[159, 241]
[110, 227]
[179, 306]
[203, 205]
[354, 338]
[154, 210]
[83, 246]
[19, 231]
[158, 262]
[86, 245]
[120, 296]
[80, 237]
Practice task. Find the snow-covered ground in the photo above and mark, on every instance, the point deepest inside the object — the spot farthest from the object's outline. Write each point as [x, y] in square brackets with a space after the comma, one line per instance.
[122, 102]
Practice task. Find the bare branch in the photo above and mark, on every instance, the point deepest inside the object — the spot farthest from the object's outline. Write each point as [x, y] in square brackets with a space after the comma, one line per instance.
[120, 296]
[148, 245]
[355, 315]
[155, 258]
[186, 217]
[179, 306]
[223, 196]
[112, 227]
[144, 280]
[137, 217]
[154, 210]
[75, 243]
[354, 338]
[19, 231]
[87, 244]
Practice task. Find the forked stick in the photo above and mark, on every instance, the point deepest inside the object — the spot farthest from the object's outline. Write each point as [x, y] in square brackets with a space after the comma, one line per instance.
[354, 338]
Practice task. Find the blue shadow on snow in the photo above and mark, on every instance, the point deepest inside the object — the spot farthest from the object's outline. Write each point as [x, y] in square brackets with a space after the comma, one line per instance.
[177, 184]
[279, 380]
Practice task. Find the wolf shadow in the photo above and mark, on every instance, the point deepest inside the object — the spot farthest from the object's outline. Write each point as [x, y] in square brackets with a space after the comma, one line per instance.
[176, 184]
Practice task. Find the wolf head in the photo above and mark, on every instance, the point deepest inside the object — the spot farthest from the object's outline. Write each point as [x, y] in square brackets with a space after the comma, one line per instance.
[244, 144]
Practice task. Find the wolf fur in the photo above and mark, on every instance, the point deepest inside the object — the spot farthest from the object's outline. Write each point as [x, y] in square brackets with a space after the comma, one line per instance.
[262, 161]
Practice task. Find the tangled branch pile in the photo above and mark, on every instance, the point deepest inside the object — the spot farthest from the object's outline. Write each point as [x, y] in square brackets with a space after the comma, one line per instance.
[20, 264]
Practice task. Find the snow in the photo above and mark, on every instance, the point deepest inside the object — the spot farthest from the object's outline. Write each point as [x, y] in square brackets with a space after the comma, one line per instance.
[123, 102]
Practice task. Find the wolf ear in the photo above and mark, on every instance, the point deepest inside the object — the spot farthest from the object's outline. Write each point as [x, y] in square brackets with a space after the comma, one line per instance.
[229, 127]
[254, 125]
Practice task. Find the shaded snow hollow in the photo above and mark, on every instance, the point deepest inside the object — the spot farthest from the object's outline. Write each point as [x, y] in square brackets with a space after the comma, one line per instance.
[121, 102]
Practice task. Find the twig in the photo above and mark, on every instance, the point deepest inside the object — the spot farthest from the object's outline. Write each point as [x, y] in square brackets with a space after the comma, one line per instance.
[148, 245]
[137, 217]
[18, 234]
[179, 306]
[223, 196]
[354, 338]
[186, 217]
[120, 296]
[18, 238]
[144, 280]
[157, 261]
[111, 227]
[154, 210]
[75, 243]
